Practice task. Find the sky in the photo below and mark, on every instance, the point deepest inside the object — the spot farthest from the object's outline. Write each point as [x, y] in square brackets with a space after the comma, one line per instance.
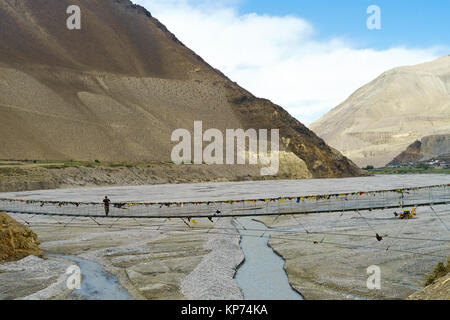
[307, 56]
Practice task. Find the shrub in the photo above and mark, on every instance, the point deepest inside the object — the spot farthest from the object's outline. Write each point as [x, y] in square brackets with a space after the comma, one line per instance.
[440, 271]
[424, 166]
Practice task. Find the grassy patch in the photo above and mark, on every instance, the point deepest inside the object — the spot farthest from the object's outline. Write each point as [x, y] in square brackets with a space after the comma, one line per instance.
[440, 271]
[78, 164]
[117, 164]
[73, 164]
[409, 170]
[62, 165]
[10, 163]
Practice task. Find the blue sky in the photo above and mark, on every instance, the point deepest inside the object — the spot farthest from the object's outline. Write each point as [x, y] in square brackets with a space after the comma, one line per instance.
[412, 23]
[307, 56]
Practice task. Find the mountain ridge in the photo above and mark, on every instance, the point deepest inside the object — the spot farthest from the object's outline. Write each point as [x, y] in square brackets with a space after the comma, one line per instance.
[116, 89]
[382, 118]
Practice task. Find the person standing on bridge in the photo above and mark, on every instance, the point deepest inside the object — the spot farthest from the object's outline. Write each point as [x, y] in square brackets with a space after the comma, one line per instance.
[106, 204]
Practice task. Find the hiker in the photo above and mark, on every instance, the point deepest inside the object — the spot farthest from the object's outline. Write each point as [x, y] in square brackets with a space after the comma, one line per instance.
[106, 204]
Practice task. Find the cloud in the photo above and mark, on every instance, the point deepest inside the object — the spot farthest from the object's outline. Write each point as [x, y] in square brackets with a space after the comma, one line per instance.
[279, 57]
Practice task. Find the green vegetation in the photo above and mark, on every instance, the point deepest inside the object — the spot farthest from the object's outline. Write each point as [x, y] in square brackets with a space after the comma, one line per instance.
[117, 164]
[4, 164]
[62, 165]
[369, 167]
[10, 163]
[440, 271]
[409, 170]
[424, 166]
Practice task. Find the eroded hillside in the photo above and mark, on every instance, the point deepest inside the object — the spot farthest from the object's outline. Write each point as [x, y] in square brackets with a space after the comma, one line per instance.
[116, 90]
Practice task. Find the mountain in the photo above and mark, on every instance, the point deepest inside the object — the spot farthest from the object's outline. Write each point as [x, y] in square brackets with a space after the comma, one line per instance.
[384, 117]
[425, 149]
[116, 90]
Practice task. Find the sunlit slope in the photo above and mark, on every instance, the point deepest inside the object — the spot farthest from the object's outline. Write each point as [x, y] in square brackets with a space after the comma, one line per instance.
[383, 118]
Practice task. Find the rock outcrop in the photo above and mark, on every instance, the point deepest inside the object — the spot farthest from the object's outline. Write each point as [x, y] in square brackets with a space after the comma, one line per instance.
[16, 240]
[427, 148]
[439, 290]
[411, 154]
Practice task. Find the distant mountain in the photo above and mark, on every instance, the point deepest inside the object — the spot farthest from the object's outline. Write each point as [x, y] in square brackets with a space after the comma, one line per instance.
[427, 148]
[384, 117]
[116, 89]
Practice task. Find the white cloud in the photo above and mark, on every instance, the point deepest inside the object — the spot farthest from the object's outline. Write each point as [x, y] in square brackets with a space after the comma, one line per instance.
[278, 57]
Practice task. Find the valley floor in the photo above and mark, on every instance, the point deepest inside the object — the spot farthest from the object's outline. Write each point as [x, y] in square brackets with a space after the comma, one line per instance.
[326, 255]
[150, 261]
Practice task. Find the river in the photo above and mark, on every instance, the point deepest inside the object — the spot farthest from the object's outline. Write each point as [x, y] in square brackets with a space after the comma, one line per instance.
[96, 283]
[262, 276]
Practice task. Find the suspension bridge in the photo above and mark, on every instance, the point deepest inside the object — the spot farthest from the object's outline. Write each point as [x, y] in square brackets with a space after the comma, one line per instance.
[156, 215]
[292, 205]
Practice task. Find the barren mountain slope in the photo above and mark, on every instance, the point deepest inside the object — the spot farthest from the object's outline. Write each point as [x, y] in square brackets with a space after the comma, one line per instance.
[116, 89]
[384, 117]
[427, 148]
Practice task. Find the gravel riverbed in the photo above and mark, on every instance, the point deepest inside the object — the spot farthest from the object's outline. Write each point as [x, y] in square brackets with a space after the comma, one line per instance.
[158, 259]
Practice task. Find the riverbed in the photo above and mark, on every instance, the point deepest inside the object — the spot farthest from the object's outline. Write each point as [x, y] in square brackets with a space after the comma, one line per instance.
[232, 190]
[167, 260]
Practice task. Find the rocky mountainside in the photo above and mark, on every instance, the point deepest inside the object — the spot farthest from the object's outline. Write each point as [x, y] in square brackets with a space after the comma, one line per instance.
[427, 148]
[411, 154]
[384, 117]
[116, 90]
